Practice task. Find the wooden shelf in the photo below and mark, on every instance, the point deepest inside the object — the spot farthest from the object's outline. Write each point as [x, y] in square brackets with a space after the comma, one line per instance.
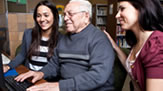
[100, 15]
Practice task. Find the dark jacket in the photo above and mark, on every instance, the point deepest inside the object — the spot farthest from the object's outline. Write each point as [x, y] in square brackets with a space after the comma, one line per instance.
[22, 55]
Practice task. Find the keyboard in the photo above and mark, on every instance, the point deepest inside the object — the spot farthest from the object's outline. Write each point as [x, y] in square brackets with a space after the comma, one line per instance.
[13, 85]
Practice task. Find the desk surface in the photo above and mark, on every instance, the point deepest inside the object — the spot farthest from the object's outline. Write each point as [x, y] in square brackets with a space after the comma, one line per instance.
[21, 69]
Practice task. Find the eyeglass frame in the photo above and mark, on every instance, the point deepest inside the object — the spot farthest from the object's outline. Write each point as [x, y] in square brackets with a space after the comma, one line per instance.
[70, 14]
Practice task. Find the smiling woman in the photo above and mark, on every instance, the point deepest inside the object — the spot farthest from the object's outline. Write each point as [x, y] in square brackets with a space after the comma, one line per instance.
[45, 19]
[142, 20]
[127, 16]
[39, 42]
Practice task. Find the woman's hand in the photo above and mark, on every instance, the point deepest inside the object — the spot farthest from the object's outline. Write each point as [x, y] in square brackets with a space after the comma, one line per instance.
[111, 39]
[121, 55]
[5, 68]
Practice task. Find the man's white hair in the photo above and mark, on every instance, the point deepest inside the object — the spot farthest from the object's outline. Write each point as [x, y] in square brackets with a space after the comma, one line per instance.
[85, 5]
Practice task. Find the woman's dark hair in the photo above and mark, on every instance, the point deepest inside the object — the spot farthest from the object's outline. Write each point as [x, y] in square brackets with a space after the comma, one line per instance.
[36, 31]
[150, 17]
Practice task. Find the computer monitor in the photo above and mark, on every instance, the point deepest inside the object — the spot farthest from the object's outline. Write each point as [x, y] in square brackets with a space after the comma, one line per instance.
[10, 84]
[2, 81]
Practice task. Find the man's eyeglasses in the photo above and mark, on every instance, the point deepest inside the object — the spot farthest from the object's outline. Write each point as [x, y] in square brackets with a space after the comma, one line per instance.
[71, 14]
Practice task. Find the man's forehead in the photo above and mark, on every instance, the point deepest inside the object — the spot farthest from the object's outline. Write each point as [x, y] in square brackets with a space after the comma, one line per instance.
[71, 9]
[72, 6]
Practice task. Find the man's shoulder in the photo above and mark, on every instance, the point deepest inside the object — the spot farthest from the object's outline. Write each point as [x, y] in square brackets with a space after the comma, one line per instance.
[60, 36]
[95, 32]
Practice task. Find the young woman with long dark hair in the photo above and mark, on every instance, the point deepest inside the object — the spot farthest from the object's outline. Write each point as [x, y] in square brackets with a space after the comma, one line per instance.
[39, 42]
[143, 22]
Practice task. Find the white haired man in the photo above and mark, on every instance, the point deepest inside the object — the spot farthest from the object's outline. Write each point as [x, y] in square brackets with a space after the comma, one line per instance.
[84, 57]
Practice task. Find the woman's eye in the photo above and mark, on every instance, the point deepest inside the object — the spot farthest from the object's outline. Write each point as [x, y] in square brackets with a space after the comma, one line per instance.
[46, 15]
[38, 15]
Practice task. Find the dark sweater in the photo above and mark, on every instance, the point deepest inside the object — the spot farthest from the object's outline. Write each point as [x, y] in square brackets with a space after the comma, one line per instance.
[84, 61]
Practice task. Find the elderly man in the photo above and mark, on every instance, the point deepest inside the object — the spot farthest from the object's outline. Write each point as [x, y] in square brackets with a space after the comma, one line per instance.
[83, 57]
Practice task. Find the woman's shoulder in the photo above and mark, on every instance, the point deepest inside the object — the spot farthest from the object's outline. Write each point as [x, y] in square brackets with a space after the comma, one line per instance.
[151, 54]
[28, 31]
[155, 43]
[152, 51]
[157, 34]
[155, 40]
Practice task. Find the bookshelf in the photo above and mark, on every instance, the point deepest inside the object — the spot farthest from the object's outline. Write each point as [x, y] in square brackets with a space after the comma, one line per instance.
[114, 27]
[120, 37]
[100, 15]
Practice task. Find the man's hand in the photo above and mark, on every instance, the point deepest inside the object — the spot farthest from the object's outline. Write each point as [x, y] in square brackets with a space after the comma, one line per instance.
[35, 76]
[45, 87]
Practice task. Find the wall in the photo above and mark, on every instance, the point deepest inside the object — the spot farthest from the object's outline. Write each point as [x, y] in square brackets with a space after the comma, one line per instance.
[17, 23]
[98, 1]
[29, 7]
[16, 7]
[2, 6]
[32, 3]
[4, 34]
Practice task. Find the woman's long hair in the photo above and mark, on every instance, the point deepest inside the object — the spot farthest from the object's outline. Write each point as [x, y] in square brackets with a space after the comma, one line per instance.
[150, 17]
[36, 31]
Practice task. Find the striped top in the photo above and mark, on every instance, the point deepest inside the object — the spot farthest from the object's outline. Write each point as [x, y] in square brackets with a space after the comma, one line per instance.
[38, 61]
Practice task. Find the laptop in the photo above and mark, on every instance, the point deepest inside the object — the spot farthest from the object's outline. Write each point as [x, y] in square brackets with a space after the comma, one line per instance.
[2, 80]
[7, 83]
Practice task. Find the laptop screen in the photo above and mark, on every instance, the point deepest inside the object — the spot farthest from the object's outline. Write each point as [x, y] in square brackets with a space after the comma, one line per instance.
[2, 81]
[7, 82]
[1, 73]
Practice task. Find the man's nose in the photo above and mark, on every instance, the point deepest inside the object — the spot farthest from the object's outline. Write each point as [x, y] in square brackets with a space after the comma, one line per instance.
[66, 17]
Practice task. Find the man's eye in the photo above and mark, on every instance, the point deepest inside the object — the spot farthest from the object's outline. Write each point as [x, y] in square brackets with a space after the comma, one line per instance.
[70, 13]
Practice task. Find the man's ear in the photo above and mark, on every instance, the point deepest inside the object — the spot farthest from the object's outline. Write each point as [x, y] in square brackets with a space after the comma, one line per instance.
[87, 16]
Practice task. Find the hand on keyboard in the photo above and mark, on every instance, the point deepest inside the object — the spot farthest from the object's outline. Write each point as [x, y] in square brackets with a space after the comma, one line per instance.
[17, 86]
[36, 75]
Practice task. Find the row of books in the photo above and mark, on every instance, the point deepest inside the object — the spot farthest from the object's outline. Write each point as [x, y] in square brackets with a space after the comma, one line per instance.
[121, 42]
[101, 20]
[102, 11]
[120, 31]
